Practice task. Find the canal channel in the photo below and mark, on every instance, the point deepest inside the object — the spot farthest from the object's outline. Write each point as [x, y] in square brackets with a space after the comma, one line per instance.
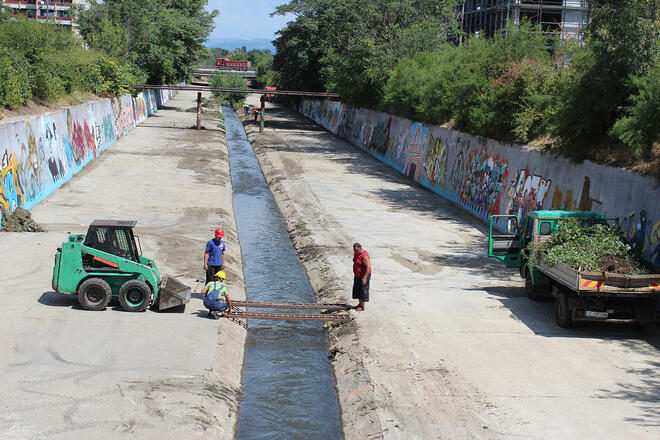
[288, 386]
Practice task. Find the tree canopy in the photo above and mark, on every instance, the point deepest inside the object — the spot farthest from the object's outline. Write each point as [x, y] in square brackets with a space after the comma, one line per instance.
[351, 46]
[162, 38]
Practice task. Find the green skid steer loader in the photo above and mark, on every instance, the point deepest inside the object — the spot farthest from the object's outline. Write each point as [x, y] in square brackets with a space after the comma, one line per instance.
[107, 263]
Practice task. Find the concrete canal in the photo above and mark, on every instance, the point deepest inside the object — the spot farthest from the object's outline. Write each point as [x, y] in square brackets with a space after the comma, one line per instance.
[288, 384]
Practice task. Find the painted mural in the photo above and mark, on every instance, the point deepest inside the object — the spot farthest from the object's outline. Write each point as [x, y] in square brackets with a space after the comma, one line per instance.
[40, 153]
[485, 181]
[488, 177]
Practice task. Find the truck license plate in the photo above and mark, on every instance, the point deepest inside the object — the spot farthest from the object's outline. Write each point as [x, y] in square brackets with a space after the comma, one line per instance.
[591, 314]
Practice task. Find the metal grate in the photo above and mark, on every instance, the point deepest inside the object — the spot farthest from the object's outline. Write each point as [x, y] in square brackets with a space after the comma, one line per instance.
[240, 314]
[294, 306]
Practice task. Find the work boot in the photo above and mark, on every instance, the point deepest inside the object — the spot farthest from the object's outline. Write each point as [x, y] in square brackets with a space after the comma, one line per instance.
[213, 314]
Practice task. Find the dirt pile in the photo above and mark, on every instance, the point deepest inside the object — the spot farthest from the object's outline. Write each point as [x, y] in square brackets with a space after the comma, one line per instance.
[20, 221]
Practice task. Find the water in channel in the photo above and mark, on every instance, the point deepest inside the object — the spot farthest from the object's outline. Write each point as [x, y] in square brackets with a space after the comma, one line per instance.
[288, 384]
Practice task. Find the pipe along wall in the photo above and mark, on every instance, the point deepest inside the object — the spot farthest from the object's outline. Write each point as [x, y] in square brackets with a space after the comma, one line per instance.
[487, 177]
[38, 154]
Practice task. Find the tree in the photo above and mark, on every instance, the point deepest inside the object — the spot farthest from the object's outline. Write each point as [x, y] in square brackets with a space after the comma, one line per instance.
[229, 81]
[164, 38]
[621, 42]
[352, 46]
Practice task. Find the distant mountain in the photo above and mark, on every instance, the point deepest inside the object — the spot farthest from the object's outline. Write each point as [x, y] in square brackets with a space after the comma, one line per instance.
[235, 43]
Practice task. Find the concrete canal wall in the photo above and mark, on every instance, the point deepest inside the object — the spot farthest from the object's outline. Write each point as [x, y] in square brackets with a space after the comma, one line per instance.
[486, 176]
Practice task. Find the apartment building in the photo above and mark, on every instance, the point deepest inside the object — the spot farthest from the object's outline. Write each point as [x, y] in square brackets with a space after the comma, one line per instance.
[57, 11]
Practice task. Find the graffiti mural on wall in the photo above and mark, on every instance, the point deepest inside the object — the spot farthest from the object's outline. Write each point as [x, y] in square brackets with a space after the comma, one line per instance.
[122, 109]
[415, 151]
[654, 240]
[435, 161]
[485, 181]
[526, 193]
[380, 137]
[11, 195]
[564, 200]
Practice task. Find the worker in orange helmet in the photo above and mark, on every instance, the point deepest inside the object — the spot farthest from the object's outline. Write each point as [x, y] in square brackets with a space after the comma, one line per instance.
[214, 255]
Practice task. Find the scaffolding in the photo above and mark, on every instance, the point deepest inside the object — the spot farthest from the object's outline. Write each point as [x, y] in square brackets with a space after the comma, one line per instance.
[563, 18]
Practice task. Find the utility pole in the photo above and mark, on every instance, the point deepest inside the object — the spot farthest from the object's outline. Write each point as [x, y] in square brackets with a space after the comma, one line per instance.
[263, 108]
[199, 110]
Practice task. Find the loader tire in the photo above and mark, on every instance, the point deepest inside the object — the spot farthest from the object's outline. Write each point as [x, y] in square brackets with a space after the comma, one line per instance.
[94, 294]
[134, 296]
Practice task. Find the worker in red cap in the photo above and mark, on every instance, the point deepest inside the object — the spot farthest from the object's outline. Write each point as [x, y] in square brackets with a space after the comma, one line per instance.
[214, 259]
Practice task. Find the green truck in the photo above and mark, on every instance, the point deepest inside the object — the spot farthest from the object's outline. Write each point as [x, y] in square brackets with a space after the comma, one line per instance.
[579, 295]
[107, 263]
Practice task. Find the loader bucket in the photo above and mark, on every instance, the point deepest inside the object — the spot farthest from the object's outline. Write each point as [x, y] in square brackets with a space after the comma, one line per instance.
[172, 293]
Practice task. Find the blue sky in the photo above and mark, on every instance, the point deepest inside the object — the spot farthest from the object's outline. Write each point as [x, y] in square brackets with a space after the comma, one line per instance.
[246, 19]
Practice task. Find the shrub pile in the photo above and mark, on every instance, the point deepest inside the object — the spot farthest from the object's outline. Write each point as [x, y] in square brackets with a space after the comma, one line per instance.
[590, 247]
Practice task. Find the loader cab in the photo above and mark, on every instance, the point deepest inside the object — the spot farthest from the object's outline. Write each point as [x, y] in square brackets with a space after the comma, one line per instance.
[113, 237]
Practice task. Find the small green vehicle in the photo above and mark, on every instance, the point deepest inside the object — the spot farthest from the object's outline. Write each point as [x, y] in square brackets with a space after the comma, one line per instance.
[107, 263]
[579, 295]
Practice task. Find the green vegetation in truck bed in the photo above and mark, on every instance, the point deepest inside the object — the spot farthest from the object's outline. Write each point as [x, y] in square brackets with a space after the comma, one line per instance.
[597, 247]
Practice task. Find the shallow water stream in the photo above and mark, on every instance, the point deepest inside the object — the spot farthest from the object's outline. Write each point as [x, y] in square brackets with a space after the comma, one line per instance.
[288, 384]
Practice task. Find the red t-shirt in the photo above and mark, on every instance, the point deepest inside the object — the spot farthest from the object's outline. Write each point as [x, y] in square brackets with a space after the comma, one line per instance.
[359, 266]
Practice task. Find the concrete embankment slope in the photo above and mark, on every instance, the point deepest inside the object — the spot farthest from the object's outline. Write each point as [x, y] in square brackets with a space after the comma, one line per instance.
[449, 346]
[70, 373]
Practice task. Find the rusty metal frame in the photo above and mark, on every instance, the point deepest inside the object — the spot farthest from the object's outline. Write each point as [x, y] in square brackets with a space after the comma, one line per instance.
[227, 90]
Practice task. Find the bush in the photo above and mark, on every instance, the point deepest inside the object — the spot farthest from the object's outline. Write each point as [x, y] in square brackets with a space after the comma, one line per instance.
[15, 90]
[229, 81]
[500, 87]
[639, 128]
[40, 61]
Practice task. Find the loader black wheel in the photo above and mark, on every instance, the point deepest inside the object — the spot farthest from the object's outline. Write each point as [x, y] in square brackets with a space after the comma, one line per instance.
[134, 296]
[563, 314]
[94, 294]
[530, 289]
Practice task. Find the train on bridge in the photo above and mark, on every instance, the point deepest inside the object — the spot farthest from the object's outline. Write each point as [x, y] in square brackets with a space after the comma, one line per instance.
[227, 64]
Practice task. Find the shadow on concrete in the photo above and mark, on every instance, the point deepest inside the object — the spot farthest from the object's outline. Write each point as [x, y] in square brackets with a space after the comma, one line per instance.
[183, 127]
[539, 317]
[203, 314]
[55, 299]
[644, 394]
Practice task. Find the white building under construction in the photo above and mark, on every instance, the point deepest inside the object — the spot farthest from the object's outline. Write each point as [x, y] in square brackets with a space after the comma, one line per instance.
[565, 18]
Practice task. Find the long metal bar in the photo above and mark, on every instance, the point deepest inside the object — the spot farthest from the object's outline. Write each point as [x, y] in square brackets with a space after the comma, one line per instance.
[240, 314]
[294, 306]
[226, 90]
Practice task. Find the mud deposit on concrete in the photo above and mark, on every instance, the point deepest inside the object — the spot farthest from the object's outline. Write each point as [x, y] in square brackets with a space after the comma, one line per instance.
[288, 384]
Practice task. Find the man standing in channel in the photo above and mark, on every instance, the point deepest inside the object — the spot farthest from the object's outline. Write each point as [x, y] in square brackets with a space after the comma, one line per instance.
[362, 276]
[214, 259]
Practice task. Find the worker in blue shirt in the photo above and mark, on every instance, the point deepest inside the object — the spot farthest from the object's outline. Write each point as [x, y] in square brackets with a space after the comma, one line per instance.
[214, 259]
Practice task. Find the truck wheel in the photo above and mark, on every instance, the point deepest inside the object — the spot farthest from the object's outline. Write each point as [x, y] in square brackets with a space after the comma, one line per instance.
[94, 294]
[531, 290]
[134, 296]
[563, 314]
